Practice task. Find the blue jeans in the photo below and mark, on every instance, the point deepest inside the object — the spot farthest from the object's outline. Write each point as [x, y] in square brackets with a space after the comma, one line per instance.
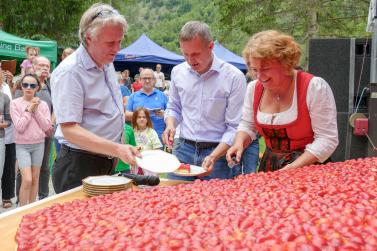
[190, 154]
[249, 160]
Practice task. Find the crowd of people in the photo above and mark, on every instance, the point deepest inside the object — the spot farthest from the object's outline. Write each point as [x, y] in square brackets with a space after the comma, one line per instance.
[207, 115]
[27, 129]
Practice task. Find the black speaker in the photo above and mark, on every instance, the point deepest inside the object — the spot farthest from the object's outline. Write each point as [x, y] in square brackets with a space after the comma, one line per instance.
[345, 65]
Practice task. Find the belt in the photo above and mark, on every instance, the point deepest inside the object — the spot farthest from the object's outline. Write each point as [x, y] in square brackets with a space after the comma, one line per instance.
[200, 145]
[70, 149]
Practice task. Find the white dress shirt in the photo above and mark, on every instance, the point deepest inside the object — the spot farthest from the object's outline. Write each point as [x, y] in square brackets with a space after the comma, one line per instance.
[207, 106]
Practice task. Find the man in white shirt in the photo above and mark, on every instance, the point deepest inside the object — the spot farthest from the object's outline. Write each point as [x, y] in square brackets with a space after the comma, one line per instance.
[205, 98]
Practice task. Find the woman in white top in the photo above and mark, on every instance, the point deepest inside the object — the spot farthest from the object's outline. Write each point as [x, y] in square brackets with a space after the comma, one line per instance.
[293, 110]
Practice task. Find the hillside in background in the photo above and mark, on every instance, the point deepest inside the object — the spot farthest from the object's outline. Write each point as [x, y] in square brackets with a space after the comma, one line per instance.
[162, 20]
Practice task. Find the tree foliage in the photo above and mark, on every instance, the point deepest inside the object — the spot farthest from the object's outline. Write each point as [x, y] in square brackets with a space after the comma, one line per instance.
[302, 19]
[232, 21]
[44, 19]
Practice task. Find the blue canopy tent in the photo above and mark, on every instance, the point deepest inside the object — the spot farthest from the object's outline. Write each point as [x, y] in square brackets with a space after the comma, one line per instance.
[146, 53]
[230, 57]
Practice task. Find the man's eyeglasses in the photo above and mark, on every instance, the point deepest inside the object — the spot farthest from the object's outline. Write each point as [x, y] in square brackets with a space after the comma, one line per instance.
[147, 79]
[104, 13]
[29, 86]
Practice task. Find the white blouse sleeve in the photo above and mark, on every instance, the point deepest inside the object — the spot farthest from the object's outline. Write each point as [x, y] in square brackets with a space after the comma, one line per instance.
[322, 110]
[247, 121]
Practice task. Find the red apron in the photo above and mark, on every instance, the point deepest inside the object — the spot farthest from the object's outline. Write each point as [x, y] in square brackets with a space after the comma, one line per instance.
[284, 143]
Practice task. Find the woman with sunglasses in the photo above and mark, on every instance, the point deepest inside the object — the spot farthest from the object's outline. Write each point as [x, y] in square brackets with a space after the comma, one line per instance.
[31, 118]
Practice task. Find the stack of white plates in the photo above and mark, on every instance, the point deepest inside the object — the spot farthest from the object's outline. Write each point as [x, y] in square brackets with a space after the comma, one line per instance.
[98, 185]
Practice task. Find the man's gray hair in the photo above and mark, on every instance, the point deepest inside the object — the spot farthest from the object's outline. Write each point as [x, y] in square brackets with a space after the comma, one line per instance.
[97, 16]
[37, 58]
[148, 69]
[195, 28]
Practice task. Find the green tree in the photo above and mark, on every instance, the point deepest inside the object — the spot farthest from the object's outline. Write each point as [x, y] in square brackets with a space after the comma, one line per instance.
[302, 19]
[45, 19]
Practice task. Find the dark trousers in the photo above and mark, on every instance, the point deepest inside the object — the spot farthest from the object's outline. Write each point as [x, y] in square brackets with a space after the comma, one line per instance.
[44, 176]
[8, 179]
[71, 166]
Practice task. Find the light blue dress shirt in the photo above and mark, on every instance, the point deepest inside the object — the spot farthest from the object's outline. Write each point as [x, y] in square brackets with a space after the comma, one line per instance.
[87, 95]
[208, 107]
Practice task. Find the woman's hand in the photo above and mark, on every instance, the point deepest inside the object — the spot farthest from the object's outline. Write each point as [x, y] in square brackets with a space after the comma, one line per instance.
[34, 104]
[234, 151]
[287, 167]
[241, 141]
[35, 100]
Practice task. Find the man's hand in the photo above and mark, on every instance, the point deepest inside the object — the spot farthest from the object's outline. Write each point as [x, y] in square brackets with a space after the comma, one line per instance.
[168, 136]
[128, 153]
[208, 164]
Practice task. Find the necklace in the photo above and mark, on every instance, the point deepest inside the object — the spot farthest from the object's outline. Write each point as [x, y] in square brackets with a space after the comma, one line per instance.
[278, 97]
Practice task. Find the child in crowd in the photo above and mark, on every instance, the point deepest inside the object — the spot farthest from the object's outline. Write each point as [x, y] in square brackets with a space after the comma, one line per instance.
[146, 137]
[31, 53]
[129, 138]
[31, 119]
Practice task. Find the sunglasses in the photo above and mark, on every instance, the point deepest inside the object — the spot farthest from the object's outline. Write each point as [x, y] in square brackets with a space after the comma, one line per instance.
[29, 86]
[104, 13]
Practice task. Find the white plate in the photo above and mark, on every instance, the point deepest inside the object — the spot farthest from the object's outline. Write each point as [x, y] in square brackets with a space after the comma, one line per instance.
[194, 171]
[158, 161]
[106, 180]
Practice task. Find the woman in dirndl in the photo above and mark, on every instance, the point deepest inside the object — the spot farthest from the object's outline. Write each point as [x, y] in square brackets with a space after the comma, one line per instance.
[293, 110]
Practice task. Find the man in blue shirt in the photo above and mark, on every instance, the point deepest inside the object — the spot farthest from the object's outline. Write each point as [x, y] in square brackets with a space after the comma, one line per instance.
[151, 98]
[205, 99]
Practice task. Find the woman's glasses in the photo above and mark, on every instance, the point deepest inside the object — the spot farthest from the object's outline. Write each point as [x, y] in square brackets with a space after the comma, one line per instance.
[29, 86]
